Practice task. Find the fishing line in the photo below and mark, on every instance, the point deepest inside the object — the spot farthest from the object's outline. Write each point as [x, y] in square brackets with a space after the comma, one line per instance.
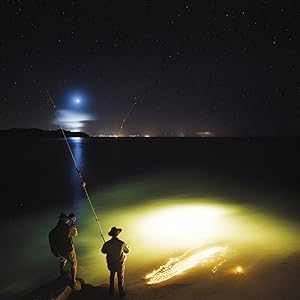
[128, 113]
[82, 182]
[138, 100]
[152, 86]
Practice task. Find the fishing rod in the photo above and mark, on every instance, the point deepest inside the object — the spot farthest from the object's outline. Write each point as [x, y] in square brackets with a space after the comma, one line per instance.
[82, 182]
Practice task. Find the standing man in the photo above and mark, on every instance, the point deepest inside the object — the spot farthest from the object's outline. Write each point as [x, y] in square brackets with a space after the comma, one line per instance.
[115, 250]
[61, 245]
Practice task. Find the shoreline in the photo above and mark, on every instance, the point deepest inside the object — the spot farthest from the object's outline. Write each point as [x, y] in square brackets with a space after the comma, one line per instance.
[276, 279]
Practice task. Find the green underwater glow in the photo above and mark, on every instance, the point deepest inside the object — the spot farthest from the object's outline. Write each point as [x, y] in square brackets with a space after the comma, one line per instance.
[158, 227]
[158, 223]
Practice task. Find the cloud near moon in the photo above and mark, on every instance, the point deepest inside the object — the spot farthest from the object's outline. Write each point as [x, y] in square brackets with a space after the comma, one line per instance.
[72, 120]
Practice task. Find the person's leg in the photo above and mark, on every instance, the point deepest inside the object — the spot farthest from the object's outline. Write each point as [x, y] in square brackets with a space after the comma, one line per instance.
[62, 266]
[121, 282]
[112, 281]
[73, 262]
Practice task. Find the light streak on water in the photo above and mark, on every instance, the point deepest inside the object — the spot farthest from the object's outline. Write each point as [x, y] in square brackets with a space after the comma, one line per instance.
[76, 144]
[178, 265]
[216, 267]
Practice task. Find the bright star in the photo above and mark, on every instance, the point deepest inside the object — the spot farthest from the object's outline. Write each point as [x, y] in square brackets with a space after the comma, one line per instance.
[77, 100]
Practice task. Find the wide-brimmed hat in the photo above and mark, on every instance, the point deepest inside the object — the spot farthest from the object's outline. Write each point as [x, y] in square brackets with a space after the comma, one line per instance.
[63, 216]
[115, 231]
[71, 215]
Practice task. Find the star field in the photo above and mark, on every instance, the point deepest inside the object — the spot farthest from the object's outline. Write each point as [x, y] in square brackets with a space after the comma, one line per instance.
[227, 67]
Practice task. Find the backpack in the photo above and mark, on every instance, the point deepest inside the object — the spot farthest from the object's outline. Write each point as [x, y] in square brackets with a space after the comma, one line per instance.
[53, 241]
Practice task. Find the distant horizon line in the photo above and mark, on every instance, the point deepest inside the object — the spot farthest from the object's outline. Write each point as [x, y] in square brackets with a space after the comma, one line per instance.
[101, 135]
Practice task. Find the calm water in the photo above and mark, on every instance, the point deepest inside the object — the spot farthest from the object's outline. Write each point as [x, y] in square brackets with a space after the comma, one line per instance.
[125, 178]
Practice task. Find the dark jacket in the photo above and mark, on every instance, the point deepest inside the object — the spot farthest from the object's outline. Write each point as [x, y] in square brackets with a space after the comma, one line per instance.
[115, 250]
[61, 242]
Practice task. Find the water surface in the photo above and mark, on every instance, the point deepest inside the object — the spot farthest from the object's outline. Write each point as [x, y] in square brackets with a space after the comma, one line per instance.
[168, 195]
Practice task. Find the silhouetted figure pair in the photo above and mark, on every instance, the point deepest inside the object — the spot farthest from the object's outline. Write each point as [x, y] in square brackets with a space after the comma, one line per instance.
[62, 246]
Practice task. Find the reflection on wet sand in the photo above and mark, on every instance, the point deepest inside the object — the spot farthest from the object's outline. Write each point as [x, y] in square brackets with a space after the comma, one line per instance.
[189, 259]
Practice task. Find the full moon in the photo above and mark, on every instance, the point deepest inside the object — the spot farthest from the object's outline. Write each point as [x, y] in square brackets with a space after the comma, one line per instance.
[77, 100]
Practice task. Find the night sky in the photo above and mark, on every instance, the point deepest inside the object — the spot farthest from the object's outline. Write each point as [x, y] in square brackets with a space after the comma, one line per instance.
[171, 68]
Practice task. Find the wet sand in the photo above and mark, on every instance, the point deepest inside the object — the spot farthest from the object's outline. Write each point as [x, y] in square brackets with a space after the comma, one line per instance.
[277, 278]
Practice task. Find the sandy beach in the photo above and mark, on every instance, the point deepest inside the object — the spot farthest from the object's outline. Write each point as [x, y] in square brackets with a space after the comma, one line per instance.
[275, 278]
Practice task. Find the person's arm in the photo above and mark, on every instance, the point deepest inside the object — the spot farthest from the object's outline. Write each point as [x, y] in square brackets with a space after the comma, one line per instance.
[104, 248]
[125, 248]
[73, 231]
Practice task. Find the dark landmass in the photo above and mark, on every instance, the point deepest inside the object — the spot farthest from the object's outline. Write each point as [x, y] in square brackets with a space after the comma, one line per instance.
[38, 133]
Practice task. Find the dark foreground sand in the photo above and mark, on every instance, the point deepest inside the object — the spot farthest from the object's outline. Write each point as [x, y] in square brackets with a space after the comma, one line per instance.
[276, 280]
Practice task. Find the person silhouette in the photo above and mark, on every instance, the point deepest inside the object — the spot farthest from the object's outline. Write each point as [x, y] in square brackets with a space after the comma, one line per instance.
[115, 250]
[62, 246]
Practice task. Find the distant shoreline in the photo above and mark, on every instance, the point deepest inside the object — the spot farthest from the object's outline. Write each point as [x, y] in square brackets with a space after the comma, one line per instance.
[39, 133]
